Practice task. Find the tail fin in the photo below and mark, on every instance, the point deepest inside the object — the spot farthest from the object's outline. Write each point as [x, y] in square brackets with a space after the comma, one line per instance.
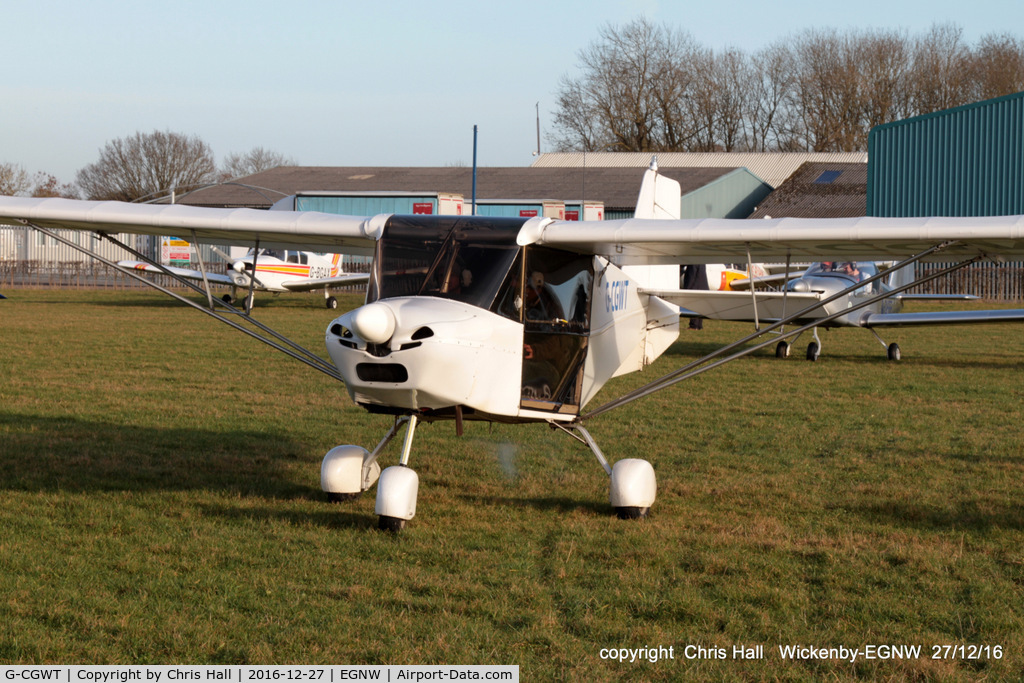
[660, 197]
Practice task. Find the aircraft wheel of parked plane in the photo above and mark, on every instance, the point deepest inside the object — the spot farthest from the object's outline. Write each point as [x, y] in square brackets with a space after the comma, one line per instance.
[893, 352]
[782, 350]
[331, 302]
[228, 299]
[813, 351]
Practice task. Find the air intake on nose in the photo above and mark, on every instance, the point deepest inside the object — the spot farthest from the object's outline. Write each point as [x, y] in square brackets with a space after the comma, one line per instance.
[382, 372]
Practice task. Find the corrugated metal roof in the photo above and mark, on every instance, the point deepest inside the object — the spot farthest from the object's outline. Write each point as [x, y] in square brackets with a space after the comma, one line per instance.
[615, 187]
[771, 167]
[819, 190]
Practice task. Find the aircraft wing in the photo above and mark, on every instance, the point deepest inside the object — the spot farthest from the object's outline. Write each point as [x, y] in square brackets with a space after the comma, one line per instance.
[721, 240]
[216, 278]
[736, 305]
[275, 229]
[942, 318]
[320, 283]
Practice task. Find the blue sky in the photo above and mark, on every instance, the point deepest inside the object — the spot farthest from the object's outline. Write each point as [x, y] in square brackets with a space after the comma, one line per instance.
[345, 84]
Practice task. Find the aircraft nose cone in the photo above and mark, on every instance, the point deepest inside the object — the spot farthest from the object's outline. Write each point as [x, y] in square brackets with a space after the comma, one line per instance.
[799, 286]
[238, 266]
[375, 323]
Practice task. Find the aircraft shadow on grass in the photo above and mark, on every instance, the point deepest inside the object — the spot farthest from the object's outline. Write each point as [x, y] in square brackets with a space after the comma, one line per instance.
[46, 453]
[966, 515]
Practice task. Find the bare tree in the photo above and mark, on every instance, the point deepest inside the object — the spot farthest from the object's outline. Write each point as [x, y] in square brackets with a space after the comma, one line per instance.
[884, 59]
[771, 106]
[629, 88]
[940, 76]
[255, 160]
[47, 185]
[649, 88]
[146, 166]
[998, 66]
[13, 180]
[731, 75]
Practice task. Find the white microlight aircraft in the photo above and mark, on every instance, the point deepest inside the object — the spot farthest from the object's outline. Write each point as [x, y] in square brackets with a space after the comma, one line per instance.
[277, 271]
[518, 320]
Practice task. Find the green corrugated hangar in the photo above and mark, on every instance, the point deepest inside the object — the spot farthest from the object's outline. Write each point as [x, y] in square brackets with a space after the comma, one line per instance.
[967, 161]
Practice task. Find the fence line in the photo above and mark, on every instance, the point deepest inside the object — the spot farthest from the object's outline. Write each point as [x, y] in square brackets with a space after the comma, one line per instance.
[992, 281]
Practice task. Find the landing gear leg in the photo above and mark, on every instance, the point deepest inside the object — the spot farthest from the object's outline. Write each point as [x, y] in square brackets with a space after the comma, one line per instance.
[633, 484]
[398, 488]
[892, 351]
[814, 348]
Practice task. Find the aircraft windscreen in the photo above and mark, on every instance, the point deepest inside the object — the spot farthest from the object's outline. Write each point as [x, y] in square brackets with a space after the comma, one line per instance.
[445, 256]
[855, 270]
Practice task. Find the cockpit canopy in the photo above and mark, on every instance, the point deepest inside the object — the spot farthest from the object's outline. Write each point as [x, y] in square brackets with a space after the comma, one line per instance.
[286, 255]
[476, 260]
[853, 270]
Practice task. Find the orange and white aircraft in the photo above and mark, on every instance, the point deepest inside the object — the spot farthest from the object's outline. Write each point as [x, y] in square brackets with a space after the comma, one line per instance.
[277, 270]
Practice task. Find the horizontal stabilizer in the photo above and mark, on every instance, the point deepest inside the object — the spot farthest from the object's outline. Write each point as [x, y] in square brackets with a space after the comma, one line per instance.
[736, 305]
[215, 278]
[937, 297]
[1007, 315]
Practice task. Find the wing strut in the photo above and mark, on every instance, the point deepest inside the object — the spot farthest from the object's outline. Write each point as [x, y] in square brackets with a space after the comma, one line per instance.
[268, 336]
[202, 269]
[697, 367]
[753, 289]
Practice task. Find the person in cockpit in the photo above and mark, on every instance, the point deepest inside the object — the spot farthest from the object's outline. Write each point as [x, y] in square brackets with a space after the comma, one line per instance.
[541, 302]
[850, 269]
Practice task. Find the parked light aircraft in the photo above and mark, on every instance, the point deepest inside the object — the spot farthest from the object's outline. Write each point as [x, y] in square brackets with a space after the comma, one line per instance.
[519, 320]
[825, 280]
[277, 271]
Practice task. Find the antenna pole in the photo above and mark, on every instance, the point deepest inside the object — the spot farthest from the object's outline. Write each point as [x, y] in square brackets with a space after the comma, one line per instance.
[473, 210]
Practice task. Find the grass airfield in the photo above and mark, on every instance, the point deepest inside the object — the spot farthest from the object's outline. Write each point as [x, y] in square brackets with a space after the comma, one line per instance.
[160, 503]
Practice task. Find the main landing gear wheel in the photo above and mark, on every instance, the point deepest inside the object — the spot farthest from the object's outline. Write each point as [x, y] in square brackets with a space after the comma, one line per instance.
[893, 352]
[633, 488]
[342, 497]
[392, 524]
[813, 351]
[782, 349]
[228, 299]
[331, 302]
